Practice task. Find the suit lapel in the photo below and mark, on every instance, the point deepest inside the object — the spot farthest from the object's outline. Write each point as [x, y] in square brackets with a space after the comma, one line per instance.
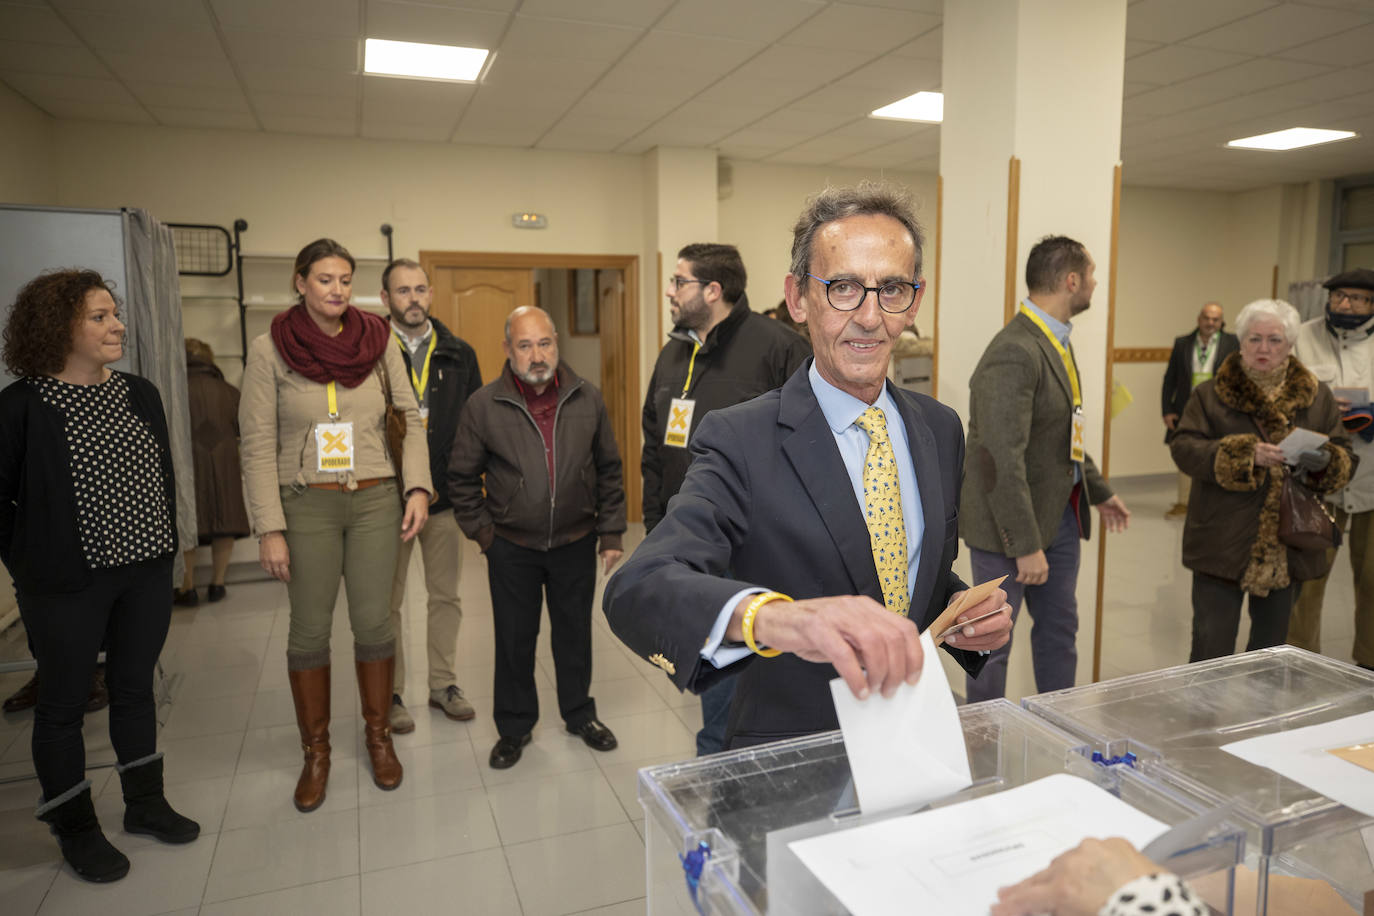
[930, 491]
[1057, 367]
[810, 447]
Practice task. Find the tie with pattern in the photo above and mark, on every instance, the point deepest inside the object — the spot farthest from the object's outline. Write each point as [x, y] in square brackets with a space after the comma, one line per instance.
[883, 496]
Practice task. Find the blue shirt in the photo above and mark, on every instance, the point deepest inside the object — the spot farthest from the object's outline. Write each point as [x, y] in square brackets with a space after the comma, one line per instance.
[841, 409]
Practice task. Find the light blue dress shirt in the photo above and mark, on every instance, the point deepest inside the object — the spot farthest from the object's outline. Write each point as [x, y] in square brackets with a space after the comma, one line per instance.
[841, 409]
[1061, 331]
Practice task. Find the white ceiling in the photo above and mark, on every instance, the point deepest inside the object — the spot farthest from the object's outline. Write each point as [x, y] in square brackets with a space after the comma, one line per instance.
[773, 80]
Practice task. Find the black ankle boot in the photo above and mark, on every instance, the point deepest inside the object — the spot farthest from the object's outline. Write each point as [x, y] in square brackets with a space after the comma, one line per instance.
[145, 807]
[71, 817]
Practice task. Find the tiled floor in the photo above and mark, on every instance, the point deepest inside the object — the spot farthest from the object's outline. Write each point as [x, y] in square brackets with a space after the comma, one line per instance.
[559, 833]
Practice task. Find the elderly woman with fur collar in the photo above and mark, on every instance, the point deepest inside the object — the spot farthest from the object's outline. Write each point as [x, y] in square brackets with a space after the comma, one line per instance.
[1227, 441]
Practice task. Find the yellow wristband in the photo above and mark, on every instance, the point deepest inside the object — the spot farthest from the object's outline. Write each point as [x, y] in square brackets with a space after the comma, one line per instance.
[747, 622]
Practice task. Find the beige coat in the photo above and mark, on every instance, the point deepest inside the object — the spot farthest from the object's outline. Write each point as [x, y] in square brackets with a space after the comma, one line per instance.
[277, 417]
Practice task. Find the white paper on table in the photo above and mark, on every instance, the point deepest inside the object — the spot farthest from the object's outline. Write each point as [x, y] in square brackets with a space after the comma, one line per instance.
[1301, 756]
[1301, 440]
[908, 749]
[952, 860]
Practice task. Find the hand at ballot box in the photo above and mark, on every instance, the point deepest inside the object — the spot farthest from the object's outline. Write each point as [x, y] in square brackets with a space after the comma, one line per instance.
[1082, 880]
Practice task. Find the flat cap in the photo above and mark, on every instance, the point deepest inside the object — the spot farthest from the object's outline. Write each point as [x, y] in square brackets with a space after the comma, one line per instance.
[1359, 278]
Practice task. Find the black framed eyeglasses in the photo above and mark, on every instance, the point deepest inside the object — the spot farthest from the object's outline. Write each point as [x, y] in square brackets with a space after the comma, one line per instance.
[846, 295]
[1359, 300]
[680, 282]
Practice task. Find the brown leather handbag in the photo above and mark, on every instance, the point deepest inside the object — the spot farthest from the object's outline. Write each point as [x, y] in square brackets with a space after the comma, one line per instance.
[395, 431]
[1304, 522]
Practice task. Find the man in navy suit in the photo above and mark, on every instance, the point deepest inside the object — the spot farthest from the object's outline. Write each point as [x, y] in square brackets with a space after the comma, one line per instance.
[767, 539]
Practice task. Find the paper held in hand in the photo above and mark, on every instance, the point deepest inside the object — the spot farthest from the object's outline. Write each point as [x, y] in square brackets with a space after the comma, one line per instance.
[945, 623]
[1299, 441]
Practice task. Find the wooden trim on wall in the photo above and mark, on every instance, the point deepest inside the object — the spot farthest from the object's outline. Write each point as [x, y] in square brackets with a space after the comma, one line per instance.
[1141, 355]
[1013, 227]
[659, 310]
[1105, 464]
[1274, 284]
[935, 305]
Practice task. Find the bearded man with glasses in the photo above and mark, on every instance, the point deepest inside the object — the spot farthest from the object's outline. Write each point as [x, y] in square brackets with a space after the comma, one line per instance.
[814, 532]
[1339, 350]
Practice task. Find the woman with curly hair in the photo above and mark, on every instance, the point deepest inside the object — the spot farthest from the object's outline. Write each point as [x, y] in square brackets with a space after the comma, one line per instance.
[323, 497]
[1227, 442]
[87, 531]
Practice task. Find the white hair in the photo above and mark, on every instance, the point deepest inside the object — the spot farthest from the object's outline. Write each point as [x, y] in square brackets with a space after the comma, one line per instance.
[1276, 309]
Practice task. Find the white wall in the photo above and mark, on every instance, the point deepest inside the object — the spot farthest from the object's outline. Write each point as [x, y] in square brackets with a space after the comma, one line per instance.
[764, 201]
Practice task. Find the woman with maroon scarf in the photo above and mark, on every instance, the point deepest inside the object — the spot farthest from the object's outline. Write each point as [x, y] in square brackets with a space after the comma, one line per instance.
[323, 494]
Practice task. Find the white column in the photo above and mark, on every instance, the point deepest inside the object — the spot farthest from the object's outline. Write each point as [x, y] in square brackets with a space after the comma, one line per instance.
[1040, 80]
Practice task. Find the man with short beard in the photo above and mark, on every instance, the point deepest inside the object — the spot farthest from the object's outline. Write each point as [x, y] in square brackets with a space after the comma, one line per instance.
[719, 353]
[1027, 480]
[552, 487]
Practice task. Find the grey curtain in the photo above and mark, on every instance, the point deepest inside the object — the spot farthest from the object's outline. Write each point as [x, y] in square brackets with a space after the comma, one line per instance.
[152, 300]
[1308, 297]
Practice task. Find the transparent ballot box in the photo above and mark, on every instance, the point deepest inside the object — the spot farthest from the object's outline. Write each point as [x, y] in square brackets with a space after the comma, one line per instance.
[1175, 721]
[717, 829]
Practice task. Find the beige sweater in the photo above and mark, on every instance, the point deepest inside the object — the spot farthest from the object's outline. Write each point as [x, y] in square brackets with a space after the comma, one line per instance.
[277, 417]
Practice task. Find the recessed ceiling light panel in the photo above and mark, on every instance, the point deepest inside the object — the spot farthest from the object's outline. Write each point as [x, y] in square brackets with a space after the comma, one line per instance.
[422, 61]
[1292, 138]
[923, 106]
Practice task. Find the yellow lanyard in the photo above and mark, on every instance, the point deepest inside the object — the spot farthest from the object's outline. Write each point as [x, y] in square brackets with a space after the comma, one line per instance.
[1064, 354]
[333, 401]
[420, 382]
[691, 365]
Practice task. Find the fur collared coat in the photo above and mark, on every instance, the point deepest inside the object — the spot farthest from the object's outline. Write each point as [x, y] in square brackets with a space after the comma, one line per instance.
[1232, 528]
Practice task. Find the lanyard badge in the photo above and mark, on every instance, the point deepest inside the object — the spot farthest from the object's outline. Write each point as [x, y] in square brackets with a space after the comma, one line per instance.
[334, 440]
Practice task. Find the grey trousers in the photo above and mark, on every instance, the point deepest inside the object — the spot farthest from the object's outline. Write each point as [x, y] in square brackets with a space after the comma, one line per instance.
[335, 534]
[1053, 607]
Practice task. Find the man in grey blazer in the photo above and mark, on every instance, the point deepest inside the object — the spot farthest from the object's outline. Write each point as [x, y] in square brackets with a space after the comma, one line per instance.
[1027, 481]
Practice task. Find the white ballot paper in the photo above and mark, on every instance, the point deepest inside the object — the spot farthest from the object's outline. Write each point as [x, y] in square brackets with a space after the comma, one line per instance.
[952, 860]
[1300, 440]
[907, 750]
[1301, 755]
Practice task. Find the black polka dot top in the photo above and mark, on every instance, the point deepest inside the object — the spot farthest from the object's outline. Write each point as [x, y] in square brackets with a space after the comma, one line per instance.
[121, 505]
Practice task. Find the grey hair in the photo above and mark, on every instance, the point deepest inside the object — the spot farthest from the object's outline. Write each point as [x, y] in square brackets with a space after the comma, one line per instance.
[1276, 309]
[522, 310]
[868, 197]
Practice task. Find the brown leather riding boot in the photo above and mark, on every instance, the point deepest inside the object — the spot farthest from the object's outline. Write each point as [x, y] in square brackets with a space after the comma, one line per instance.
[374, 687]
[310, 690]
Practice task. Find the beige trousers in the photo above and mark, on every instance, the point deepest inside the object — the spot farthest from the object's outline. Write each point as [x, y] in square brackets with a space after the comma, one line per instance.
[1305, 624]
[1185, 487]
[441, 554]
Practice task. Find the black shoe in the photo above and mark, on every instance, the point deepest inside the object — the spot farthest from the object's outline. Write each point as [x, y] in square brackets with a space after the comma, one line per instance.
[188, 598]
[146, 810]
[507, 752]
[83, 844]
[25, 697]
[216, 593]
[597, 736]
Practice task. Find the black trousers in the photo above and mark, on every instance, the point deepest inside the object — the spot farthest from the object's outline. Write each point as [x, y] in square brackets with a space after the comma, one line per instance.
[521, 579]
[128, 608]
[1216, 617]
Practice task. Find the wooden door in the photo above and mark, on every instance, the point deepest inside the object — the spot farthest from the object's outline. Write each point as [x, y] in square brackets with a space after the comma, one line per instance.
[610, 303]
[474, 302]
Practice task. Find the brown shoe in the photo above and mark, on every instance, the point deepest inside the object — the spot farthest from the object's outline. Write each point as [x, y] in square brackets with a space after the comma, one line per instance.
[310, 690]
[99, 696]
[374, 688]
[1177, 510]
[25, 697]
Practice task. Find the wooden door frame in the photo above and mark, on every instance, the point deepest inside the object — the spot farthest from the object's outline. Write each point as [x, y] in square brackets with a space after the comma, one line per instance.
[628, 265]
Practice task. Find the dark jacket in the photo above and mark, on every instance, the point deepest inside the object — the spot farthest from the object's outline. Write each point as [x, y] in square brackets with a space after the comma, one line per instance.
[497, 436]
[1233, 512]
[1178, 377]
[768, 503]
[40, 542]
[453, 378]
[1019, 476]
[744, 356]
[214, 408]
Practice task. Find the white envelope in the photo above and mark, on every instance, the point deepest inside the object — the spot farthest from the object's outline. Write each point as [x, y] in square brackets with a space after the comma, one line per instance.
[907, 750]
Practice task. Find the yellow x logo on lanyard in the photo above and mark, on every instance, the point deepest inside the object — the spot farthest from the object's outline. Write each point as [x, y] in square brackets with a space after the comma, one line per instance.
[335, 442]
[679, 419]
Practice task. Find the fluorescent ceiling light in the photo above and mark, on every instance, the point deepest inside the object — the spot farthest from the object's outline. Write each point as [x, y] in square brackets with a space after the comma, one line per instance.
[1292, 138]
[923, 106]
[421, 61]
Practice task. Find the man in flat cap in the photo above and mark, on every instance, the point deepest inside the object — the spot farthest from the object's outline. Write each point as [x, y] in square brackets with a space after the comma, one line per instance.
[1339, 349]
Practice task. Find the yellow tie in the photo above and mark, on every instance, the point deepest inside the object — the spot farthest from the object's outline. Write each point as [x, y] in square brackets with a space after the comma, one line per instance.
[883, 496]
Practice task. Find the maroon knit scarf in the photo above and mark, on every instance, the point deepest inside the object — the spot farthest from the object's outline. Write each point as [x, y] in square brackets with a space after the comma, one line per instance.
[346, 358]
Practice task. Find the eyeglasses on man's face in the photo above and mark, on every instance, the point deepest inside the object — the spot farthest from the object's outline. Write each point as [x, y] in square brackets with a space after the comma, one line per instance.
[846, 295]
[1356, 300]
[678, 283]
